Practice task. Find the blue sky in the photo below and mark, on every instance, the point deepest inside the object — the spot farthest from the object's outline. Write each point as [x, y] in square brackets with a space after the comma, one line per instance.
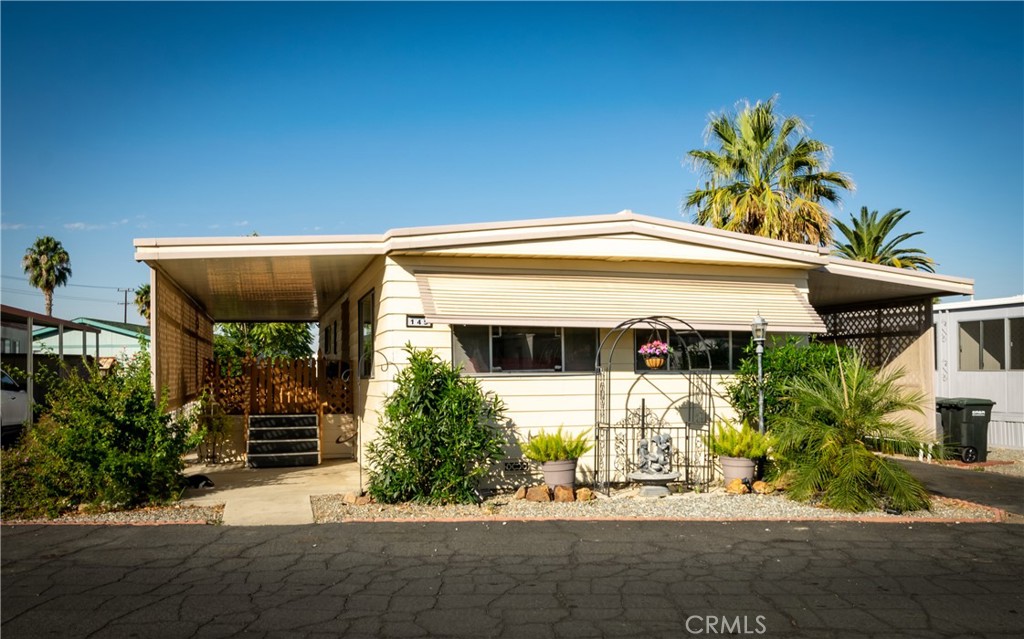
[124, 120]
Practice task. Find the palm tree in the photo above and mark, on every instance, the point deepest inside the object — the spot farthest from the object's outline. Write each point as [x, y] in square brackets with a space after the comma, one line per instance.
[48, 266]
[867, 241]
[142, 300]
[766, 178]
[820, 444]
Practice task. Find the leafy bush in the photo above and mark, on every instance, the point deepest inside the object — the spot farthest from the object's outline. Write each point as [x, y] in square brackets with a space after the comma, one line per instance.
[105, 442]
[725, 440]
[438, 435]
[782, 363]
[544, 447]
[819, 444]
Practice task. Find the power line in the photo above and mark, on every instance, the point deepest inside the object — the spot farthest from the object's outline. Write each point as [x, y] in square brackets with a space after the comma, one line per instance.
[22, 279]
[11, 291]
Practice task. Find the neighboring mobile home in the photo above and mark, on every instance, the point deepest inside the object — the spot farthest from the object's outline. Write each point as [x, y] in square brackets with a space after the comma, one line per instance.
[114, 339]
[525, 307]
[979, 348]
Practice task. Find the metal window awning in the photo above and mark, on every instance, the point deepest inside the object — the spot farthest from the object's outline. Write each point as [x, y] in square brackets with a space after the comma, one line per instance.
[567, 299]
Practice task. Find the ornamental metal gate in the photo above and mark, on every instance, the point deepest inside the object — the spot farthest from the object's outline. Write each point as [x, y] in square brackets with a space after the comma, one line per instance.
[636, 399]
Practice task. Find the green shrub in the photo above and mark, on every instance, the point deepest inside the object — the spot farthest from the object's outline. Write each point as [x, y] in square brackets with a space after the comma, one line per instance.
[438, 435]
[544, 447]
[783, 362]
[820, 448]
[725, 440]
[105, 442]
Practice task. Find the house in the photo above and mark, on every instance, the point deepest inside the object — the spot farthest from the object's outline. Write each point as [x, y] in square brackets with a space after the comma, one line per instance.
[113, 339]
[16, 324]
[979, 353]
[547, 313]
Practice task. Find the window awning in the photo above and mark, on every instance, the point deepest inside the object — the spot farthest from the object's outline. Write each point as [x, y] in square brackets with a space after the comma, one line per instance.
[566, 299]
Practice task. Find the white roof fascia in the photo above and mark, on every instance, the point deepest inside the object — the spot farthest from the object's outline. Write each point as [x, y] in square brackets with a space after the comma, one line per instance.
[996, 301]
[894, 275]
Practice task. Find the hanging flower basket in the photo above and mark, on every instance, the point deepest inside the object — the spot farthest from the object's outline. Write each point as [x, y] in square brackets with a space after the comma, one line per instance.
[654, 362]
[654, 353]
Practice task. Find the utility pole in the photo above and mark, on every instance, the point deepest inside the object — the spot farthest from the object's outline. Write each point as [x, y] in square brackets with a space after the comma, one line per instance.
[125, 302]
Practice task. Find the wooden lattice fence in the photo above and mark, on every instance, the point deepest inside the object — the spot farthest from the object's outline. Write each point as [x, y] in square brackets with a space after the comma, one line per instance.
[879, 333]
[278, 387]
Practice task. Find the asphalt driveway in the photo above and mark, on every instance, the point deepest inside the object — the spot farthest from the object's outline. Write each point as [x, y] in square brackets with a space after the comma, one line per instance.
[533, 580]
[980, 487]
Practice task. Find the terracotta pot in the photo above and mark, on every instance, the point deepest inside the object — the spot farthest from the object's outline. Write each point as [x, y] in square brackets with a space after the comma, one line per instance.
[559, 473]
[737, 468]
[654, 362]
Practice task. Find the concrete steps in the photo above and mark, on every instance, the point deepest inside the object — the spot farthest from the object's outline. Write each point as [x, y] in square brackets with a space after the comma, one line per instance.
[277, 441]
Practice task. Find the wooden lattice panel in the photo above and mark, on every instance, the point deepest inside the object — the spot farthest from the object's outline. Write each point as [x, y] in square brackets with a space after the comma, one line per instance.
[880, 333]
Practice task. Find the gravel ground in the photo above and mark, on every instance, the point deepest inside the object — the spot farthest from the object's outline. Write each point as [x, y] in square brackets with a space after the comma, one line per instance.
[1005, 454]
[149, 516]
[715, 505]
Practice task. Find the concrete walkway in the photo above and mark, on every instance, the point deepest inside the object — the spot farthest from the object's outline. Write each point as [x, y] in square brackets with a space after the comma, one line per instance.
[270, 496]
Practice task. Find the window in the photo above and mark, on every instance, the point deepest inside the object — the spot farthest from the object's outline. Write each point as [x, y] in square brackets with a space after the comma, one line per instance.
[366, 321]
[1017, 343]
[327, 340]
[334, 337]
[524, 349]
[8, 383]
[725, 349]
[985, 344]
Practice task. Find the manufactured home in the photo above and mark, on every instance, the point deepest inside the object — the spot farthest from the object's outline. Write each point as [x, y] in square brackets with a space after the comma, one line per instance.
[550, 314]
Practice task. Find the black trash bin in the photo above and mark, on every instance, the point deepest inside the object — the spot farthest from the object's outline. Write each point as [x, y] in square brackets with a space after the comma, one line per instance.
[965, 425]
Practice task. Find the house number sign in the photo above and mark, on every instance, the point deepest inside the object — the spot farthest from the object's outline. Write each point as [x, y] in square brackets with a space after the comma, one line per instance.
[417, 321]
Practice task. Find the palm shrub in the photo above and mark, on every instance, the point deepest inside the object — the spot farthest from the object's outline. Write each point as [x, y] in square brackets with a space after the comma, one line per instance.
[105, 442]
[820, 443]
[438, 435]
[545, 447]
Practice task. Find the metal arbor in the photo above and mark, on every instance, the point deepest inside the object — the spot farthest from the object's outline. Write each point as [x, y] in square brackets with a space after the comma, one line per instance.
[676, 400]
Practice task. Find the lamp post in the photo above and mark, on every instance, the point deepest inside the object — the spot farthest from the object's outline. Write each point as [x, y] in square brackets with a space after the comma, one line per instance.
[759, 327]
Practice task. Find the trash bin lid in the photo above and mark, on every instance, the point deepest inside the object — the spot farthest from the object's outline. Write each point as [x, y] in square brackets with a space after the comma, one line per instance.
[961, 402]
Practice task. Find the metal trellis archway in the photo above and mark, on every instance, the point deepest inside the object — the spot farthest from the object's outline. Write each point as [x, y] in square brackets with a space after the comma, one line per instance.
[676, 400]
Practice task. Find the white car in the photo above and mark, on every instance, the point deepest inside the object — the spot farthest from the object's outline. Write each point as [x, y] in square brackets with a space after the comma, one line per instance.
[13, 409]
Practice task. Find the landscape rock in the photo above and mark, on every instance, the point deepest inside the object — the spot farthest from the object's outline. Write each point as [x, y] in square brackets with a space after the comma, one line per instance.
[736, 487]
[350, 498]
[538, 493]
[565, 494]
[521, 493]
[584, 494]
[363, 500]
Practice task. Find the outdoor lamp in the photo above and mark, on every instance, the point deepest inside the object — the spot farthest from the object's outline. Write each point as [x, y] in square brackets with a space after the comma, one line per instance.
[759, 327]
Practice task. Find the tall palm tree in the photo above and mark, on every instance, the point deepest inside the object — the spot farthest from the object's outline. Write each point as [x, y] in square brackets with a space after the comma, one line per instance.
[867, 241]
[48, 266]
[142, 300]
[766, 178]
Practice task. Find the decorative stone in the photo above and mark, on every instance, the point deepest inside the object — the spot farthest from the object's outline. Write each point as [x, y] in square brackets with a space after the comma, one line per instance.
[584, 494]
[565, 494]
[736, 487]
[763, 488]
[521, 493]
[538, 493]
[363, 500]
[350, 498]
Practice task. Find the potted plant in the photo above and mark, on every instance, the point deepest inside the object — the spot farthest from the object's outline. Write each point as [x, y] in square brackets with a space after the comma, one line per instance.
[557, 455]
[738, 449]
[655, 353]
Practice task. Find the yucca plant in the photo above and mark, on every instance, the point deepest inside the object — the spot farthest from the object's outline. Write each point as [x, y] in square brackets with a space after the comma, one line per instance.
[545, 447]
[820, 444]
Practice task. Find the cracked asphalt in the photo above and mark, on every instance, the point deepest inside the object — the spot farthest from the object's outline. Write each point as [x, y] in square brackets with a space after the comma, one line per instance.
[521, 579]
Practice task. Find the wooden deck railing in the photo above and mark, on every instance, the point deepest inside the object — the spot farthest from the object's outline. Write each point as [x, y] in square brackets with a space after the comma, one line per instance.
[279, 386]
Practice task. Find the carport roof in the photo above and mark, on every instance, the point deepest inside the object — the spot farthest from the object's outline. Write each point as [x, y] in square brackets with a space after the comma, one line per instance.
[296, 278]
